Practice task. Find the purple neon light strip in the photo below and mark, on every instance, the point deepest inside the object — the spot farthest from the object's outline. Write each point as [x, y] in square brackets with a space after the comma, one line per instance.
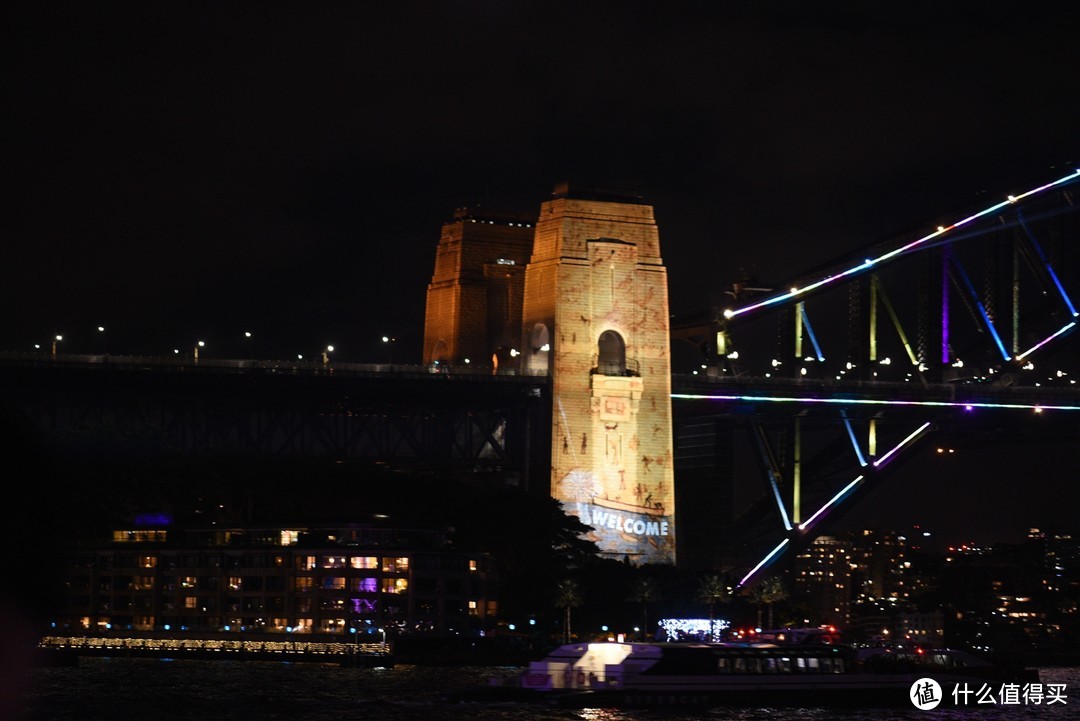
[945, 306]
[903, 249]
[1035, 347]
[870, 402]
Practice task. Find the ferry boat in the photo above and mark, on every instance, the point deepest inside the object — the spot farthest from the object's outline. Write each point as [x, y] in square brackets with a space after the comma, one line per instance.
[761, 674]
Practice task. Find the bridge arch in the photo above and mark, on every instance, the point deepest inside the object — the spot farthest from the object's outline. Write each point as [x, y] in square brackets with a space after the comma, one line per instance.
[611, 354]
[539, 348]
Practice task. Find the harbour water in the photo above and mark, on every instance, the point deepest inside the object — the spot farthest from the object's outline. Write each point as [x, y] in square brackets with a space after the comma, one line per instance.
[117, 689]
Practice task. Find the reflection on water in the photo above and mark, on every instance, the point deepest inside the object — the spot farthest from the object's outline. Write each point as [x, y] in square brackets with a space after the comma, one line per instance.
[114, 689]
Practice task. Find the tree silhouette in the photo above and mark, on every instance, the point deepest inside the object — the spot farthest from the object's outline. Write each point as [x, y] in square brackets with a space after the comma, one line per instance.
[645, 590]
[567, 597]
[713, 589]
[772, 592]
[766, 593]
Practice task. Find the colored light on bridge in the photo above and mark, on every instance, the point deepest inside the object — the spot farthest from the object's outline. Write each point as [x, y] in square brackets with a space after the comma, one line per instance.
[843, 492]
[761, 564]
[870, 402]
[1012, 199]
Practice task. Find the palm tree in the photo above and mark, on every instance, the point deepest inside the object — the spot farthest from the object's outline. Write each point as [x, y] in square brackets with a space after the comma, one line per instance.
[714, 589]
[756, 594]
[766, 593]
[567, 596]
[772, 590]
[644, 591]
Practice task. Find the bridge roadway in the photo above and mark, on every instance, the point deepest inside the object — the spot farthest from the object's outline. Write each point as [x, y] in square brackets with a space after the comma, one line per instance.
[462, 422]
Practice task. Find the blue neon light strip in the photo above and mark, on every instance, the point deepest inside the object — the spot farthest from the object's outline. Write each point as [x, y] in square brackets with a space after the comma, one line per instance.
[870, 262]
[1040, 344]
[1049, 268]
[854, 440]
[764, 450]
[765, 560]
[779, 502]
[982, 309]
[831, 502]
[813, 337]
[872, 402]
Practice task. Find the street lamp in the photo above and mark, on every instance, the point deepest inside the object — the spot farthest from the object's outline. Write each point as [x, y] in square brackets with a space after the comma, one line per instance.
[326, 354]
[390, 341]
[101, 331]
[198, 345]
[251, 346]
[56, 340]
[383, 641]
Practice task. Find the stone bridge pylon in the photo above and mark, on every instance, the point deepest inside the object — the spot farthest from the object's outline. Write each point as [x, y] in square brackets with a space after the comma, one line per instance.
[590, 309]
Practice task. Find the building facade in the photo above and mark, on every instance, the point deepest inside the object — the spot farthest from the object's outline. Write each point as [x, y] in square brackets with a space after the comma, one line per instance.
[589, 290]
[596, 318]
[474, 300]
[822, 576]
[325, 581]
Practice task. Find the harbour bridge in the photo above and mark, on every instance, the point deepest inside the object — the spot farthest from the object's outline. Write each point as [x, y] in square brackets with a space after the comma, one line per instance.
[823, 385]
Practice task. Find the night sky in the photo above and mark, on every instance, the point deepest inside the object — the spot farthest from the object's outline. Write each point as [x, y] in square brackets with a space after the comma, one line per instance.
[187, 171]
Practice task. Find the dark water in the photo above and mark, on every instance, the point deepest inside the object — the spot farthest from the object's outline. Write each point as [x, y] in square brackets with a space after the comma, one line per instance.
[114, 689]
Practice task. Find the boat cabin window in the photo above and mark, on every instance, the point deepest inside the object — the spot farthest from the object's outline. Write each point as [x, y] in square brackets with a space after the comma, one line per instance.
[792, 661]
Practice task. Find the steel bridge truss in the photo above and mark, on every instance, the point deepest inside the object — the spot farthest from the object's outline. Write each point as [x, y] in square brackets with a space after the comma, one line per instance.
[924, 331]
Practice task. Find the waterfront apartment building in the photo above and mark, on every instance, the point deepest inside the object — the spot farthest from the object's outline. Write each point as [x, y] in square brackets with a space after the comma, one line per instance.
[349, 582]
[823, 578]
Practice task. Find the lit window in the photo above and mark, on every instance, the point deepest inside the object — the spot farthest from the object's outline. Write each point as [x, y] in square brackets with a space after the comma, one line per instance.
[399, 564]
[395, 585]
[332, 625]
[365, 585]
[333, 583]
[364, 562]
